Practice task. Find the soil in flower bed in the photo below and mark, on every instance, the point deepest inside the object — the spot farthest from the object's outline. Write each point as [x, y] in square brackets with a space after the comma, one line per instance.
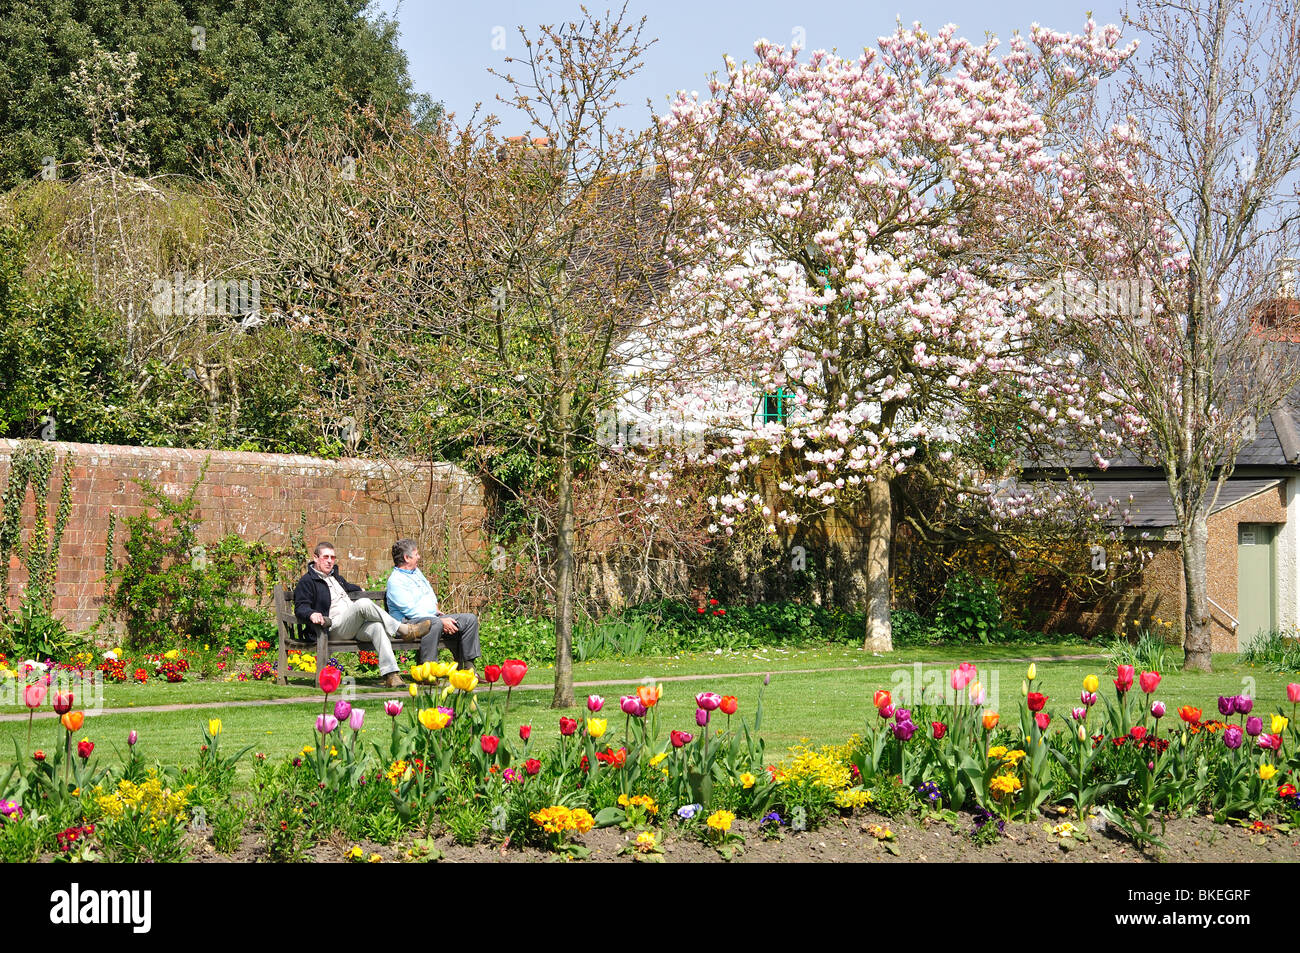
[850, 840]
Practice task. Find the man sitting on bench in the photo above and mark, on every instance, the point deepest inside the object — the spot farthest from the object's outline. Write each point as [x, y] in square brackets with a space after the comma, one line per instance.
[321, 599]
[411, 598]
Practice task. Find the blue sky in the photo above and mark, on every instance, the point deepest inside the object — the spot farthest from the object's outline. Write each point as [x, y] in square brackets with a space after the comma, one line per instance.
[452, 45]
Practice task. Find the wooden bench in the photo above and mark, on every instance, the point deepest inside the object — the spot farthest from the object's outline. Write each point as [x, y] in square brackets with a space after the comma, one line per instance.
[293, 634]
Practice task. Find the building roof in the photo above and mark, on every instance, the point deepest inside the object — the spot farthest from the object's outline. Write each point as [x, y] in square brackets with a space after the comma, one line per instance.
[1151, 506]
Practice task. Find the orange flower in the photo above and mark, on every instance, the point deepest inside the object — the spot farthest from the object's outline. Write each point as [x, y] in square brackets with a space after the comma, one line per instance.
[649, 696]
[729, 704]
[72, 720]
[882, 698]
[990, 720]
[1189, 714]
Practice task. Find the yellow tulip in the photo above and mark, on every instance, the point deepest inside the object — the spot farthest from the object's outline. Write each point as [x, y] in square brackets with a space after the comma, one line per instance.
[1279, 724]
[463, 679]
[596, 727]
[214, 727]
[1033, 671]
[433, 719]
[1090, 684]
[414, 690]
[1024, 689]
[417, 673]
[1266, 772]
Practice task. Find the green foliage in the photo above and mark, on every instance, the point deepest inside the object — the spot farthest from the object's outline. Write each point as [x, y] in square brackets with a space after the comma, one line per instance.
[30, 633]
[1149, 653]
[204, 66]
[970, 608]
[1275, 652]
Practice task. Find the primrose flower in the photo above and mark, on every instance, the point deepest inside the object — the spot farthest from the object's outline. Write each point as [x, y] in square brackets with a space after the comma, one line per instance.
[721, 821]
[747, 780]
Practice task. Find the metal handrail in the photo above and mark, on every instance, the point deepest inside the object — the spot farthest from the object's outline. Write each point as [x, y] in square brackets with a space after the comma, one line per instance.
[1235, 623]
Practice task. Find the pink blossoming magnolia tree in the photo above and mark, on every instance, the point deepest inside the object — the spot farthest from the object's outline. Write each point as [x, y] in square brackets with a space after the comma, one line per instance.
[866, 236]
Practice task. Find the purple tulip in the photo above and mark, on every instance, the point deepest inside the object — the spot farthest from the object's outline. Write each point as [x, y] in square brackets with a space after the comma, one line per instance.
[392, 708]
[595, 703]
[708, 700]
[1242, 704]
[326, 723]
[903, 730]
[1078, 714]
[1254, 725]
[1158, 709]
[1232, 736]
[132, 738]
[1088, 698]
[886, 711]
[342, 709]
[701, 716]
[1226, 705]
[632, 705]
[450, 713]
[767, 679]
[356, 719]
[902, 715]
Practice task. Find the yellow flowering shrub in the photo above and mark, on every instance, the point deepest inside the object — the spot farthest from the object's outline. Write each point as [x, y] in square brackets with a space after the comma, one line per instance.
[1004, 784]
[828, 766]
[643, 801]
[852, 799]
[149, 801]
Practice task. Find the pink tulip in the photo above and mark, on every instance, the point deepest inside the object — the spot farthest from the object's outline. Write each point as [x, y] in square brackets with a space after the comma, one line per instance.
[595, 703]
[34, 696]
[632, 705]
[1149, 681]
[1293, 693]
[708, 700]
[1043, 719]
[1123, 678]
[1158, 709]
[977, 694]
[132, 738]
[1088, 698]
[326, 723]
[1079, 714]
[356, 719]
[342, 709]
[392, 708]
[701, 716]
[961, 676]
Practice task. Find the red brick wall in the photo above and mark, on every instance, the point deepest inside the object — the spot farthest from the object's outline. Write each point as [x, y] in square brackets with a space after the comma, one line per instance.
[359, 505]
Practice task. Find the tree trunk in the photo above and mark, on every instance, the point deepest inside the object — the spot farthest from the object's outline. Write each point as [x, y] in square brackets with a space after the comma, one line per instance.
[564, 582]
[1196, 621]
[880, 520]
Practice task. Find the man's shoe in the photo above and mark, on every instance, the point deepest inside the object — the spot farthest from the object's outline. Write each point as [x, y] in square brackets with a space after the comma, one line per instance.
[414, 631]
[394, 681]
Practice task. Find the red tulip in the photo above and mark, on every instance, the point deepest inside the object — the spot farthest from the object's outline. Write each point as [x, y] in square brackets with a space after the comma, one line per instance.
[1123, 678]
[567, 726]
[1137, 732]
[513, 671]
[729, 704]
[525, 731]
[62, 702]
[939, 729]
[38, 755]
[1036, 701]
[84, 749]
[1293, 693]
[491, 673]
[329, 679]
[680, 738]
[1043, 719]
[34, 696]
[490, 743]
[882, 698]
[532, 766]
[1149, 681]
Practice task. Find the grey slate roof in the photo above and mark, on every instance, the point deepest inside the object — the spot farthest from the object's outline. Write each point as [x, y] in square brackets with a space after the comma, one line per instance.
[1151, 506]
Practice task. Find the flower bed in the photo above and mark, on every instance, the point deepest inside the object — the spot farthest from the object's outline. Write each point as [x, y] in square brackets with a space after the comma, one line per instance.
[446, 764]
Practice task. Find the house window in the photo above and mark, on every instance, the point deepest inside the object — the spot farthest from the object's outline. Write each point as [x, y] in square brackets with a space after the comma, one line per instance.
[774, 408]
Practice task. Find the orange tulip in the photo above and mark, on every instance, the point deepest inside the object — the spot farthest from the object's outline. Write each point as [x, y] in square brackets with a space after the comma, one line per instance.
[72, 720]
[729, 704]
[882, 698]
[649, 696]
[990, 720]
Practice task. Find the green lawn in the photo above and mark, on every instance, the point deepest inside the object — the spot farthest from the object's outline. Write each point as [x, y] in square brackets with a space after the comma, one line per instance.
[823, 706]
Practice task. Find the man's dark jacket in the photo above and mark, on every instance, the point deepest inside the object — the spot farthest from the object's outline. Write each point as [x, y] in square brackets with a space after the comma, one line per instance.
[312, 594]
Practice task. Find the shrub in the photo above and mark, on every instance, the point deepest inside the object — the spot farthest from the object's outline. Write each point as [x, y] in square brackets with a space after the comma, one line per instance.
[970, 608]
